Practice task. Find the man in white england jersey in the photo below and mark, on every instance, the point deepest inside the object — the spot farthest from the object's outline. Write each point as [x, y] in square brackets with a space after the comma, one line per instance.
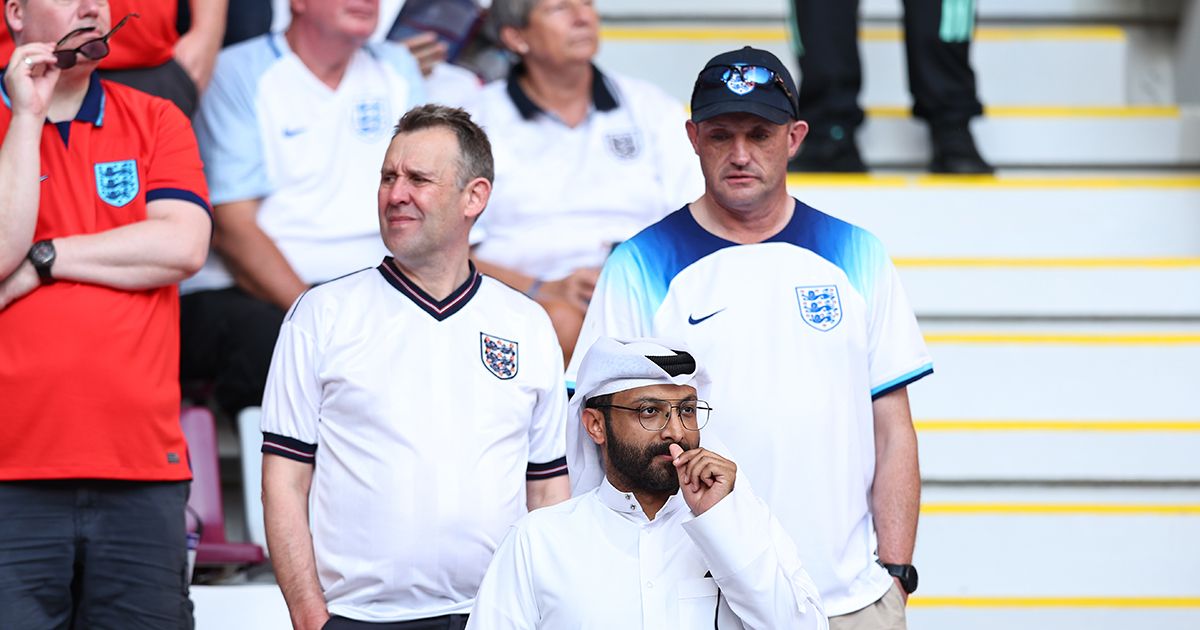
[806, 331]
[413, 411]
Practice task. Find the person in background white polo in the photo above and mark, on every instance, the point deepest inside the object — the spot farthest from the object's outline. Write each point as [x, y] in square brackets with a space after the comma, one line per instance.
[584, 159]
[291, 132]
[413, 411]
[661, 534]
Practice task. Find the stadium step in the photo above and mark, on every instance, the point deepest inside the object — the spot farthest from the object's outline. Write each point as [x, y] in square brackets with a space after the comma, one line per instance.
[1033, 244]
[1026, 10]
[1134, 136]
[1086, 106]
[1072, 401]
[1077, 65]
[1050, 558]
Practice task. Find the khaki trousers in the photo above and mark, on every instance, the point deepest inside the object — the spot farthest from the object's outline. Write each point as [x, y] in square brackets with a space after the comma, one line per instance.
[885, 614]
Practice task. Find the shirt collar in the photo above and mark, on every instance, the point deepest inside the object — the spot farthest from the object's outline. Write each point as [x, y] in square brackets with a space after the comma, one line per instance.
[92, 108]
[439, 309]
[602, 98]
[626, 504]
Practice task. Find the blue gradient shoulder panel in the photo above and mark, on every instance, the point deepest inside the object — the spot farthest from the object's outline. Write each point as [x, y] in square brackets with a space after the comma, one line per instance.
[652, 258]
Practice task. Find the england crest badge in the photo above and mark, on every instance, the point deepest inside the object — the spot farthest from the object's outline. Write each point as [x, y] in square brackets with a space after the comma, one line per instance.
[369, 117]
[624, 145]
[499, 356]
[820, 306]
[117, 182]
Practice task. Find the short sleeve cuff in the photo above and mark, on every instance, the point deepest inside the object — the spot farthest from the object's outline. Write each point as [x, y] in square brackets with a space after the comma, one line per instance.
[291, 448]
[180, 194]
[556, 468]
[902, 381]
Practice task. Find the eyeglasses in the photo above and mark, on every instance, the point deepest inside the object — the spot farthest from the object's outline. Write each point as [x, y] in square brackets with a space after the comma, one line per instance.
[742, 79]
[656, 414]
[94, 49]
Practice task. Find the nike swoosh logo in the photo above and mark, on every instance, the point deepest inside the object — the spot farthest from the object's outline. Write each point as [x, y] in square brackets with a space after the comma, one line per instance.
[44, 178]
[694, 320]
[289, 133]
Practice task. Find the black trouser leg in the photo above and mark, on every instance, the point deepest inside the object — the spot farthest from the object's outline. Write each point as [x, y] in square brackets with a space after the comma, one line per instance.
[227, 337]
[830, 70]
[937, 38]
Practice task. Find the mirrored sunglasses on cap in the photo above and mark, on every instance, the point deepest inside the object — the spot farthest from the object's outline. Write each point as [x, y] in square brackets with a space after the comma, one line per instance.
[741, 79]
[94, 49]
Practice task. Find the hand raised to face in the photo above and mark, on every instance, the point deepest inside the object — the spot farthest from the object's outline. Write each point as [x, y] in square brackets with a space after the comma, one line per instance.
[704, 477]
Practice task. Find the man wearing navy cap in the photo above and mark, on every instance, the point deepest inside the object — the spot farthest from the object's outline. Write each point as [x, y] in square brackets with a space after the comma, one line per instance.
[806, 331]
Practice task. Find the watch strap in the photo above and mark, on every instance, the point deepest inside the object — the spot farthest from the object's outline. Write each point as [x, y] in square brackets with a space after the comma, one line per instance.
[906, 573]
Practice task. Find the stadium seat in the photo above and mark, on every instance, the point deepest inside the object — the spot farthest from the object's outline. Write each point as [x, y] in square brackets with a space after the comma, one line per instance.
[250, 438]
[207, 513]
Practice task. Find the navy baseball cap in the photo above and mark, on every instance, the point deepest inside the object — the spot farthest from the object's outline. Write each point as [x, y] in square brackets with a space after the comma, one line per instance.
[748, 80]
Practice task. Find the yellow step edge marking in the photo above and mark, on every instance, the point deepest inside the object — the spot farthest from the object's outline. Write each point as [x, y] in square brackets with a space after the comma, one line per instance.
[1070, 339]
[1059, 509]
[1046, 111]
[759, 35]
[1071, 426]
[1051, 263]
[867, 180]
[1107, 182]
[953, 601]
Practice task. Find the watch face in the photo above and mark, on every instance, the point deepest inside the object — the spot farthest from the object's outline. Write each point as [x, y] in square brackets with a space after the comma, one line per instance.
[41, 253]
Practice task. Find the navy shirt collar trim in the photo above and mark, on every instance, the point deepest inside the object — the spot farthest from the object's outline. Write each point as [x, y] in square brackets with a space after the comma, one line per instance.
[439, 309]
[602, 97]
[92, 108]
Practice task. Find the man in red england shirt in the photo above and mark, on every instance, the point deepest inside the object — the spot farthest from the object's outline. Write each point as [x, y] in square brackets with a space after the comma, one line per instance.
[103, 209]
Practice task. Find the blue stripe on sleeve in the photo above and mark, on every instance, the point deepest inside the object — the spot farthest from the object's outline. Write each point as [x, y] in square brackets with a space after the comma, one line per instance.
[902, 381]
[180, 194]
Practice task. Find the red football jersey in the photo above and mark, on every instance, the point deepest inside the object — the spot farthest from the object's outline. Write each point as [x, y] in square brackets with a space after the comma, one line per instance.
[89, 375]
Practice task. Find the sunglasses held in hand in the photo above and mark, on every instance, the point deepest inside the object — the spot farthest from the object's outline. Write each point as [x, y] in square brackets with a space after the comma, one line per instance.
[95, 49]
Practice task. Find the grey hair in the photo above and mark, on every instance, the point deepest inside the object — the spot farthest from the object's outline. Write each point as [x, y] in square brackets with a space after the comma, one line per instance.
[474, 148]
[514, 13]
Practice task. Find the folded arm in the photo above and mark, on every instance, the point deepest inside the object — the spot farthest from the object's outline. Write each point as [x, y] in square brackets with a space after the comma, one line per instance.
[167, 247]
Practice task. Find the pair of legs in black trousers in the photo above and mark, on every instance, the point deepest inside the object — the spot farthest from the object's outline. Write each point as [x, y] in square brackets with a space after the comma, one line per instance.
[937, 46]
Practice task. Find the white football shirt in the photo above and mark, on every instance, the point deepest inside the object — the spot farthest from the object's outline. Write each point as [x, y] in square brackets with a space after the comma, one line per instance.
[269, 129]
[564, 196]
[799, 334]
[424, 419]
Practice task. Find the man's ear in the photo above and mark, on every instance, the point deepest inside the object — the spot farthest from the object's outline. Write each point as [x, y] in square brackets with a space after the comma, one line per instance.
[593, 424]
[14, 19]
[796, 133]
[693, 132]
[478, 191]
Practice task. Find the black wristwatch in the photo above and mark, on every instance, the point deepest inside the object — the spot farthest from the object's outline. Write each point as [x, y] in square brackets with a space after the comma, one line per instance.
[42, 255]
[906, 573]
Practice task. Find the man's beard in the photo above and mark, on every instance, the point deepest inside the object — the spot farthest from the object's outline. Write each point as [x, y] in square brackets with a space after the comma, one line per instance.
[637, 466]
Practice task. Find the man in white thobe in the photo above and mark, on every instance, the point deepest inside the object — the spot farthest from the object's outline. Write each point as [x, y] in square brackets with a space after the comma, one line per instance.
[660, 533]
